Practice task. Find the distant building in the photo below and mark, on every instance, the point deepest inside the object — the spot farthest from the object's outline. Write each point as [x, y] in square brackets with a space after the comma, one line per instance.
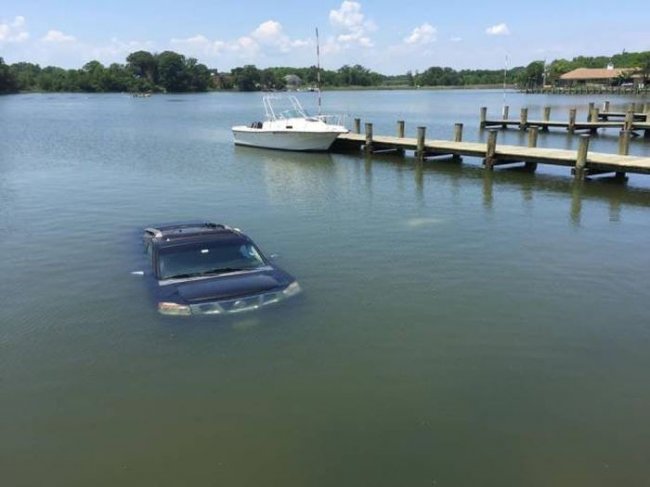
[639, 80]
[292, 81]
[221, 80]
[595, 76]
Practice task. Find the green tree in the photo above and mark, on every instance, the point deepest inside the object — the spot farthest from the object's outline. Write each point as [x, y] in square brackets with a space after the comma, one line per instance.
[52, 79]
[93, 77]
[247, 78]
[557, 68]
[27, 75]
[172, 73]
[143, 64]
[644, 65]
[269, 79]
[117, 78]
[532, 76]
[357, 75]
[329, 78]
[410, 79]
[8, 81]
[199, 75]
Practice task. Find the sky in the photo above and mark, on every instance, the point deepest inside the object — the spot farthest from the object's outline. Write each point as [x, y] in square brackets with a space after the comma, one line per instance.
[391, 37]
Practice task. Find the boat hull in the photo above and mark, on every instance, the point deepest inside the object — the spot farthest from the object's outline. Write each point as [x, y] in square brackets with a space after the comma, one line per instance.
[284, 140]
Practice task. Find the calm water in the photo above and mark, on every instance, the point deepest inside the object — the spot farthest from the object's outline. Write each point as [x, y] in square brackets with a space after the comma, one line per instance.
[457, 328]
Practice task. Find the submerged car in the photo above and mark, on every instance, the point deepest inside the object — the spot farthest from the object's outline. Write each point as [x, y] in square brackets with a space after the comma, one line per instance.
[212, 269]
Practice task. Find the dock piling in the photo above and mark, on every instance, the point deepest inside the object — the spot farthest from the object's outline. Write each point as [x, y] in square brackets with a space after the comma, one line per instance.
[357, 126]
[572, 120]
[483, 117]
[368, 145]
[606, 106]
[458, 137]
[624, 143]
[623, 150]
[400, 135]
[419, 152]
[589, 110]
[400, 129]
[491, 149]
[581, 160]
[594, 119]
[532, 137]
[505, 114]
[523, 119]
[532, 142]
[458, 132]
[629, 119]
[546, 118]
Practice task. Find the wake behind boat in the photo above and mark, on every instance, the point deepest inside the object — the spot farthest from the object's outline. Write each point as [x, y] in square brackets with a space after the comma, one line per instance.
[289, 127]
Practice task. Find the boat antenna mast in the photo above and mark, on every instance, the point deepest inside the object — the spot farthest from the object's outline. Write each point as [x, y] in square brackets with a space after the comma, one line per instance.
[318, 71]
[505, 75]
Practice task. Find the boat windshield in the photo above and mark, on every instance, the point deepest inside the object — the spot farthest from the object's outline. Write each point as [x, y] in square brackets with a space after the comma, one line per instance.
[293, 114]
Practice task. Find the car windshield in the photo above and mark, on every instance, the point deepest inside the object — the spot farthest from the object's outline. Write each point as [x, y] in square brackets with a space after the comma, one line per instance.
[210, 258]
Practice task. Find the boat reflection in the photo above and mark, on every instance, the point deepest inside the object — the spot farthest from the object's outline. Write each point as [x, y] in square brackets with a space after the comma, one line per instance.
[292, 177]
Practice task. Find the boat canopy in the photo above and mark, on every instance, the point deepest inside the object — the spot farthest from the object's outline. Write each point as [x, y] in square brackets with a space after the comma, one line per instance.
[283, 107]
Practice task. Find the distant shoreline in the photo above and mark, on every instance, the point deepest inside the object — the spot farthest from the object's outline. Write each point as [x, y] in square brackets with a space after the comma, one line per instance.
[324, 89]
[417, 88]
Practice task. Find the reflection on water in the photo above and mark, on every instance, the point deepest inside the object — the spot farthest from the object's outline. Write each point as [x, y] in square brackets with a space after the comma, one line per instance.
[576, 201]
[488, 189]
[422, 222]
[607, 188]
[291, 176]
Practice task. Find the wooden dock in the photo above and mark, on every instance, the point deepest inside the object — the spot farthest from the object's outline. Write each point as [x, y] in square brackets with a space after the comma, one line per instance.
[633, 121]
[582, 162]
[587, 90]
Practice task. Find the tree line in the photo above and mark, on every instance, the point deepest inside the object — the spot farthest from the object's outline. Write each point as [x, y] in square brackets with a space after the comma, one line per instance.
[169, 71]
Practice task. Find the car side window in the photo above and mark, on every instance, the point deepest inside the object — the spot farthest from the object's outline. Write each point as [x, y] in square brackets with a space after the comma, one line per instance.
[249, 252]
[245, 251]
[148, 248]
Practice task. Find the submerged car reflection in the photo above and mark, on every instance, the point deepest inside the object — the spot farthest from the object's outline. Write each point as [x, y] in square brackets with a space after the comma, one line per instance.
[212, 269]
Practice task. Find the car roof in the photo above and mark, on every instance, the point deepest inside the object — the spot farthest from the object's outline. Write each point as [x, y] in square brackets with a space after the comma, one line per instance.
[192, 232]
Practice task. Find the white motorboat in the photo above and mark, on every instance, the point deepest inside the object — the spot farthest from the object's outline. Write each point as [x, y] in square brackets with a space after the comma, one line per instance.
[289, 128]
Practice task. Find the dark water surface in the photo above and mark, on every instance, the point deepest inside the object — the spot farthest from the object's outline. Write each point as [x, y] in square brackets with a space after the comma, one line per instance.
[457, 327]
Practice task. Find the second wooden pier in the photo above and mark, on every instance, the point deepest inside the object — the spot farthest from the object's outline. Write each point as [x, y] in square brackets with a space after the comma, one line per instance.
[630, 120]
